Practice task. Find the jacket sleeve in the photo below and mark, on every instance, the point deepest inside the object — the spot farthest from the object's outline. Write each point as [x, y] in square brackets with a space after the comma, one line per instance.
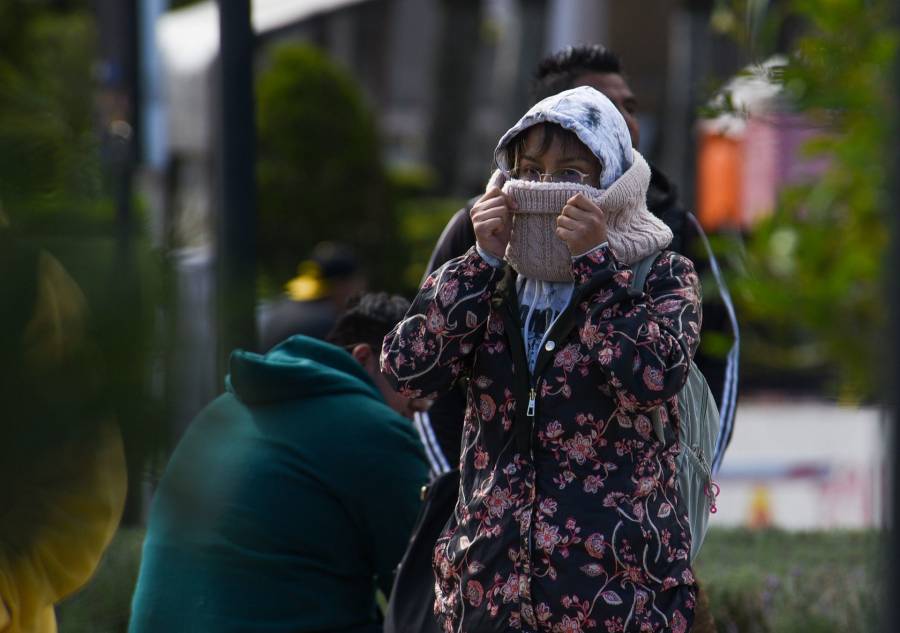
[426, 352]
[644, 341]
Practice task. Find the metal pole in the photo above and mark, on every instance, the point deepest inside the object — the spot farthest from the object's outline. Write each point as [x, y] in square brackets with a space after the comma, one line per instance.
[456, 59]
[118, 27]
[237, 185]
[119, 115]
[891, 611]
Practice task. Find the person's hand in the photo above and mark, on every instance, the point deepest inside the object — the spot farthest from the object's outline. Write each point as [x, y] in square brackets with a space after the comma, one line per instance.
[492, 221]
[581, 225]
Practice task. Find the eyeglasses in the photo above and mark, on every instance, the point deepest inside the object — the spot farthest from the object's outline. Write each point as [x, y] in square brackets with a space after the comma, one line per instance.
[568, 175]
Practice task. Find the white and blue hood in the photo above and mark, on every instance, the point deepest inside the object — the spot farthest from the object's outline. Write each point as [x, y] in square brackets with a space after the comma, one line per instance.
[592, 117]
[633, 231]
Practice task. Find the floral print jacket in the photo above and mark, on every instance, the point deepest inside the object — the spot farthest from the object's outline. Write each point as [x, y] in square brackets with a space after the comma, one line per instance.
[569, 516]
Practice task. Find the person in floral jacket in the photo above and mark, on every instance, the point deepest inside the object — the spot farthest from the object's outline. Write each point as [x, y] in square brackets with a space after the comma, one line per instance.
[569, 515]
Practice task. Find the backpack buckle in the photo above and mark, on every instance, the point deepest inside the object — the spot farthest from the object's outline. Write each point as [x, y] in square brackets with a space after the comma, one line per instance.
[712, 491]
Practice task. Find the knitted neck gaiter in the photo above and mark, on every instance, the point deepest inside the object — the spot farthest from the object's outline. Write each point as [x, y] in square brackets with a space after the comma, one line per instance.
[632, 230]
[534, 250]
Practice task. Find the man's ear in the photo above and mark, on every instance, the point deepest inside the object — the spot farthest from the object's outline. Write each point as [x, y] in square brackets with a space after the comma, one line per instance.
[363, 354]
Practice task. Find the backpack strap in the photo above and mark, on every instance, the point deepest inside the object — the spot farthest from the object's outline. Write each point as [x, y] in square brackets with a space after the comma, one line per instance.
[641, 270]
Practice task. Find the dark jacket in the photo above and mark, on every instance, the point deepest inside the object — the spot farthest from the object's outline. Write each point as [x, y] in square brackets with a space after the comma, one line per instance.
[288, 498]
[569, 511]
[663, 201]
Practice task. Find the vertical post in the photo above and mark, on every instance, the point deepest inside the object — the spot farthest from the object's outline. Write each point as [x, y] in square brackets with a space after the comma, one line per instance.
[236, 252]
[456, 65]
[119, 106]
[533, 40]
[119, 110]
[891, 611]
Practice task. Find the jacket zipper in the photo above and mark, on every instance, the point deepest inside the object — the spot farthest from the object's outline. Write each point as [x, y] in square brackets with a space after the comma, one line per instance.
[564, 324]
[517, 346]
[532, 397]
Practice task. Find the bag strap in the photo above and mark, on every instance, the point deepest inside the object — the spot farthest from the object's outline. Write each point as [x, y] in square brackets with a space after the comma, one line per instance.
[641, 270]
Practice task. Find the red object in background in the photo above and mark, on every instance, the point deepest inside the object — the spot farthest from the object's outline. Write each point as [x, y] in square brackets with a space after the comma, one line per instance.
[719, 170]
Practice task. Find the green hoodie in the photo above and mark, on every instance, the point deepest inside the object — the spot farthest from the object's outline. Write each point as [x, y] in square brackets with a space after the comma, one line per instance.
[287, 499]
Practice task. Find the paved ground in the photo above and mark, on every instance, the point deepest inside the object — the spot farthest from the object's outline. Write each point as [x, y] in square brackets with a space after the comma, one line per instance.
[803, 465]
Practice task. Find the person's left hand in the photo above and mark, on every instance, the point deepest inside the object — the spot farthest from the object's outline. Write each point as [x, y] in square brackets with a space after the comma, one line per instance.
[581, 225]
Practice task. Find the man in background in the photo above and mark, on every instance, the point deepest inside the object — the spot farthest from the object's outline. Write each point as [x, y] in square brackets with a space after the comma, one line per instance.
[314, 298]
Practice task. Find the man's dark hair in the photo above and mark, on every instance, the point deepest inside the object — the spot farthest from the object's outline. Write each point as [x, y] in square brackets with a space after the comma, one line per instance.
[560, 70]
[368, 319]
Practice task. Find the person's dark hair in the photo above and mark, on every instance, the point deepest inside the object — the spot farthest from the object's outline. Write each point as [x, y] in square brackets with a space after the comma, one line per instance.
[368, 319]
[560, 70]
[335, 260]
[551, 131]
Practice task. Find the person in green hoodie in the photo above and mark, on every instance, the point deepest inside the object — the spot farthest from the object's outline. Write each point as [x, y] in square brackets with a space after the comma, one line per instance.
[291, 497]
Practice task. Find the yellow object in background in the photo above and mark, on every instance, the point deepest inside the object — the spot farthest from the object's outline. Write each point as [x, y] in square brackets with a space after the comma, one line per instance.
[309, 284]
[760, 508]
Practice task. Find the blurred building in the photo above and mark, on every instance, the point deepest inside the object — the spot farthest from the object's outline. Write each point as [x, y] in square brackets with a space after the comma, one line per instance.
[803, 479]
[417, 59]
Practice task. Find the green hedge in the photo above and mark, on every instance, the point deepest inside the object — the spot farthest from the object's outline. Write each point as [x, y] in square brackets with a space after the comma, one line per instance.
[791, 582]
[757, 582]
[421, 221]
[51, 180]
[319, 169]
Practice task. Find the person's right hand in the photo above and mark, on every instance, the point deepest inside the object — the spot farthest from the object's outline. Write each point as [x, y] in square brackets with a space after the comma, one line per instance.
[492, 221]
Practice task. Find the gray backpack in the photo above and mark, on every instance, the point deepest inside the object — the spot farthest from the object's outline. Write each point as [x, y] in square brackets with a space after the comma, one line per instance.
[697, 433]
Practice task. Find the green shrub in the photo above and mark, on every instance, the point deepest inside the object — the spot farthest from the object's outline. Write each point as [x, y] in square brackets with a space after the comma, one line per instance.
[124, 291]
[319, 169]
[54, 191]
[813, 292]
[50, 174]
[785, 582]
[421, 221]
